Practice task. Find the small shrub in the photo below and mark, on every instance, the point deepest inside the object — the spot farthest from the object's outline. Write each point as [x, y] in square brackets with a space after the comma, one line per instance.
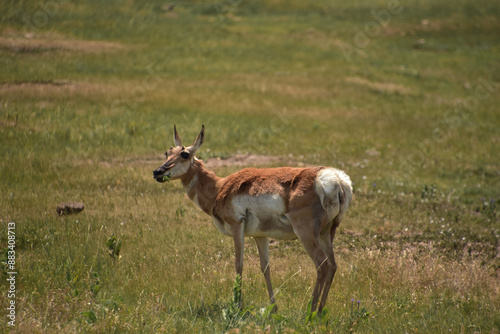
[114, 246]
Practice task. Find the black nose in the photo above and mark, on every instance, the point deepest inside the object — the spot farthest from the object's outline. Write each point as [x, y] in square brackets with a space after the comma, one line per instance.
[157, 172]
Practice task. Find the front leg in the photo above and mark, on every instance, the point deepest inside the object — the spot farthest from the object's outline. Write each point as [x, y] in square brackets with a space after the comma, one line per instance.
[238, 232]
[263, 247]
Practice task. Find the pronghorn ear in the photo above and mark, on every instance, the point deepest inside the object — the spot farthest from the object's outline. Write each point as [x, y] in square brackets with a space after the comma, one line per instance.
[199, 140]
[177, 139]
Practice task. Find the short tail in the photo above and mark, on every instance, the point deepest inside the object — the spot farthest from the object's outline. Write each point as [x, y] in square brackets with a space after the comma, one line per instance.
[334, 189]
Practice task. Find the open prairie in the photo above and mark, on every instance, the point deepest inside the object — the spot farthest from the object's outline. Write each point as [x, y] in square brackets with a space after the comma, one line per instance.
[402, 95]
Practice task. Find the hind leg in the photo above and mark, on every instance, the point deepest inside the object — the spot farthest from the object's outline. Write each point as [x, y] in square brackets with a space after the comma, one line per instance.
[307, 229]
[325, 241]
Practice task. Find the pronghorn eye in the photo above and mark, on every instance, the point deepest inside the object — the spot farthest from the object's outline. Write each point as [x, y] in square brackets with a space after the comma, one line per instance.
[185, 155]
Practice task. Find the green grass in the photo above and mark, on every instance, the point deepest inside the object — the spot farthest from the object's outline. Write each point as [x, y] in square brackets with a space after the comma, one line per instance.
[89, 94]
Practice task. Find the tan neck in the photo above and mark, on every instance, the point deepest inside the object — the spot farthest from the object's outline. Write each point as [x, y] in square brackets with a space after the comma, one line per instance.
[201, 186]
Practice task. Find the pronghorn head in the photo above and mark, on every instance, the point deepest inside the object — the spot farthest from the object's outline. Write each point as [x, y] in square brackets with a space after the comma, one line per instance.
[179, 158]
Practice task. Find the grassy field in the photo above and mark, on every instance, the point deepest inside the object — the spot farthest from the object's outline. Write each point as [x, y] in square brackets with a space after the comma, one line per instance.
[403, 96]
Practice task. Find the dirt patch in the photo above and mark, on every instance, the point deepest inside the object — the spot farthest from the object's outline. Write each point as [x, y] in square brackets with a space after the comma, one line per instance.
[301, 87]
[385, 87]
[49, 44]
[247, 160]
[24, 84]
[48, 89]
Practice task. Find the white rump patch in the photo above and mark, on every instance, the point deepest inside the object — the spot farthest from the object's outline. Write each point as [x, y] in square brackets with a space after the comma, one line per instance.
[329, 187]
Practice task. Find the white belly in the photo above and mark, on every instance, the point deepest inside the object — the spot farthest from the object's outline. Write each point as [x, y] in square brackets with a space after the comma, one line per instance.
[264, 216]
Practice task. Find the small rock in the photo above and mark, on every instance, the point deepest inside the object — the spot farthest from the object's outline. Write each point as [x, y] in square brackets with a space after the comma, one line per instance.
[69, 208]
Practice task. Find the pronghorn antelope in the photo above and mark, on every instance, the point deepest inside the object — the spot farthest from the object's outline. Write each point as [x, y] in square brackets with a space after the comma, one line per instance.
[280, 203]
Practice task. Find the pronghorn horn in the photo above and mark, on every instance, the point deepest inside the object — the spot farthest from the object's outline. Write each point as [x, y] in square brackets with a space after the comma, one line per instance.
[177, 139]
